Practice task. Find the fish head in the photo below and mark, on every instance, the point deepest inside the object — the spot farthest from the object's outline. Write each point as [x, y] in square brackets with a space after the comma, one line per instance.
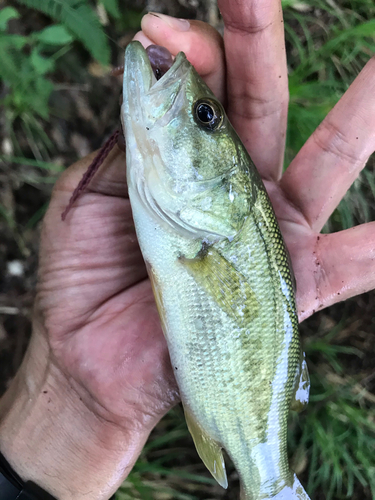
[183, 156]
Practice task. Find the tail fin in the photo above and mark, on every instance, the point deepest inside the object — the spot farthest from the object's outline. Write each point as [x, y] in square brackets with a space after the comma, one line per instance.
[295, 492]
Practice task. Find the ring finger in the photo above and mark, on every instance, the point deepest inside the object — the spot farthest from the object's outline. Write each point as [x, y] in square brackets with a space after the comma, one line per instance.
[332, 158]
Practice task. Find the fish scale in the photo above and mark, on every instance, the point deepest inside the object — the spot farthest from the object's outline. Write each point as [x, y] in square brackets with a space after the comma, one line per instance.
[220, 274]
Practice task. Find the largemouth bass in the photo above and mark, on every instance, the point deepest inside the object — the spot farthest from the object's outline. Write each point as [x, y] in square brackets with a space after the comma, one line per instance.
[220, 274]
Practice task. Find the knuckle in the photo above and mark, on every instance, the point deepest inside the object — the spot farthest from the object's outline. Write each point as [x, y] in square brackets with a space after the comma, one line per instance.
[249, 18]
[253, 107]
[247, 28]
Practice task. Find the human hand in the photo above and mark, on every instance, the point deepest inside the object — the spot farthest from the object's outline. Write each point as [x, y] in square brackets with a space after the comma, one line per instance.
[97, 345]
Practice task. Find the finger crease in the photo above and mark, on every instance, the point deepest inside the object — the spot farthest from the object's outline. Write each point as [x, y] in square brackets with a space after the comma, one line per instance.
[244, 29]
[296, 216]
[262, 110]
[248, 105]
[319, 273]
[332, 141]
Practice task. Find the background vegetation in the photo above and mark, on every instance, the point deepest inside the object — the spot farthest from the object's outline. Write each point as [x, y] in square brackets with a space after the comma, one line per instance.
[58, 102]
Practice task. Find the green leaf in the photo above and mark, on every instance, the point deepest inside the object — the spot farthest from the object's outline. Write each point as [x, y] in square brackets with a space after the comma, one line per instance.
[43, 89]
[10, 65]
[54, 35]
[41, 64]
[133, 19]
[6, 15]
[34, 99]
[10, 40]
[111, 6]
[80, 19]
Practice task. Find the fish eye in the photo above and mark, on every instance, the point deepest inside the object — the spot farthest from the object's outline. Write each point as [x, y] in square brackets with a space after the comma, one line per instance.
[208, 114]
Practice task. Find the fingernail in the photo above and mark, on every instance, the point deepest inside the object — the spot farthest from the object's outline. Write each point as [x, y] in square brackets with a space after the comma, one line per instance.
[173, 22]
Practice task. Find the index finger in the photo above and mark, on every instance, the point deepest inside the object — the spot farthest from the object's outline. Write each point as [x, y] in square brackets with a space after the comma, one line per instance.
[257, 80]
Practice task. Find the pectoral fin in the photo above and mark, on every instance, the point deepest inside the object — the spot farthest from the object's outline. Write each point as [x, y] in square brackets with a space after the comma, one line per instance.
[227, 286]
[302, 390]
[209, 451]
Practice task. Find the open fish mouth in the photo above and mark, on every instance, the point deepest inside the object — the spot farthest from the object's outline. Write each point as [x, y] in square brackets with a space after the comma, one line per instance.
[151, 69]
[160, 59]
[153, 94]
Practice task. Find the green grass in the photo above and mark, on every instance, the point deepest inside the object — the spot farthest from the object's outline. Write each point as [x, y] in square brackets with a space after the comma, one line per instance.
[36, 173]
[337, 431]
[167, 466]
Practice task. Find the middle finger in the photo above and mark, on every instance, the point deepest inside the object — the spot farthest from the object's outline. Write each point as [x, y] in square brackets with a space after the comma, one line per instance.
[257, 79]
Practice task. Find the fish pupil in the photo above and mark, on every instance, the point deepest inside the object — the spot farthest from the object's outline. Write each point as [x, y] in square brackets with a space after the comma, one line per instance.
[205, 113]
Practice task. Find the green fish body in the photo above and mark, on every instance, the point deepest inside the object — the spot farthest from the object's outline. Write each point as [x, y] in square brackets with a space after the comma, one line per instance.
[220, 273]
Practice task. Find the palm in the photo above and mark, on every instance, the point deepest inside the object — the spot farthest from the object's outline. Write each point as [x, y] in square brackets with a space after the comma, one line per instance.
[98, 307]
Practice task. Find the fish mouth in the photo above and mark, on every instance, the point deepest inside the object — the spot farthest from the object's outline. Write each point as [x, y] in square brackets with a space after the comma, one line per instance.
[141, 74]
[149, 104]
[160, 58]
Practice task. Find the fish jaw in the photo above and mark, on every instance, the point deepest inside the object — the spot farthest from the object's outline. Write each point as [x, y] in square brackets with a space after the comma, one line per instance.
[146, 99]
[148, 108]
[148, 102]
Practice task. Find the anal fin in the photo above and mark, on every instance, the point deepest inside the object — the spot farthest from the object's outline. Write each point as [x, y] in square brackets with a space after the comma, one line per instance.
[208, 449]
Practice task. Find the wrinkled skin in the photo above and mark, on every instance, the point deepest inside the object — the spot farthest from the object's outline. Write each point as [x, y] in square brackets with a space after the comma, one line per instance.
[94, 303]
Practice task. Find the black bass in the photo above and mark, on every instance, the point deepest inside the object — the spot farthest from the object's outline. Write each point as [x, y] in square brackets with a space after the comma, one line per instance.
[220, 274]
